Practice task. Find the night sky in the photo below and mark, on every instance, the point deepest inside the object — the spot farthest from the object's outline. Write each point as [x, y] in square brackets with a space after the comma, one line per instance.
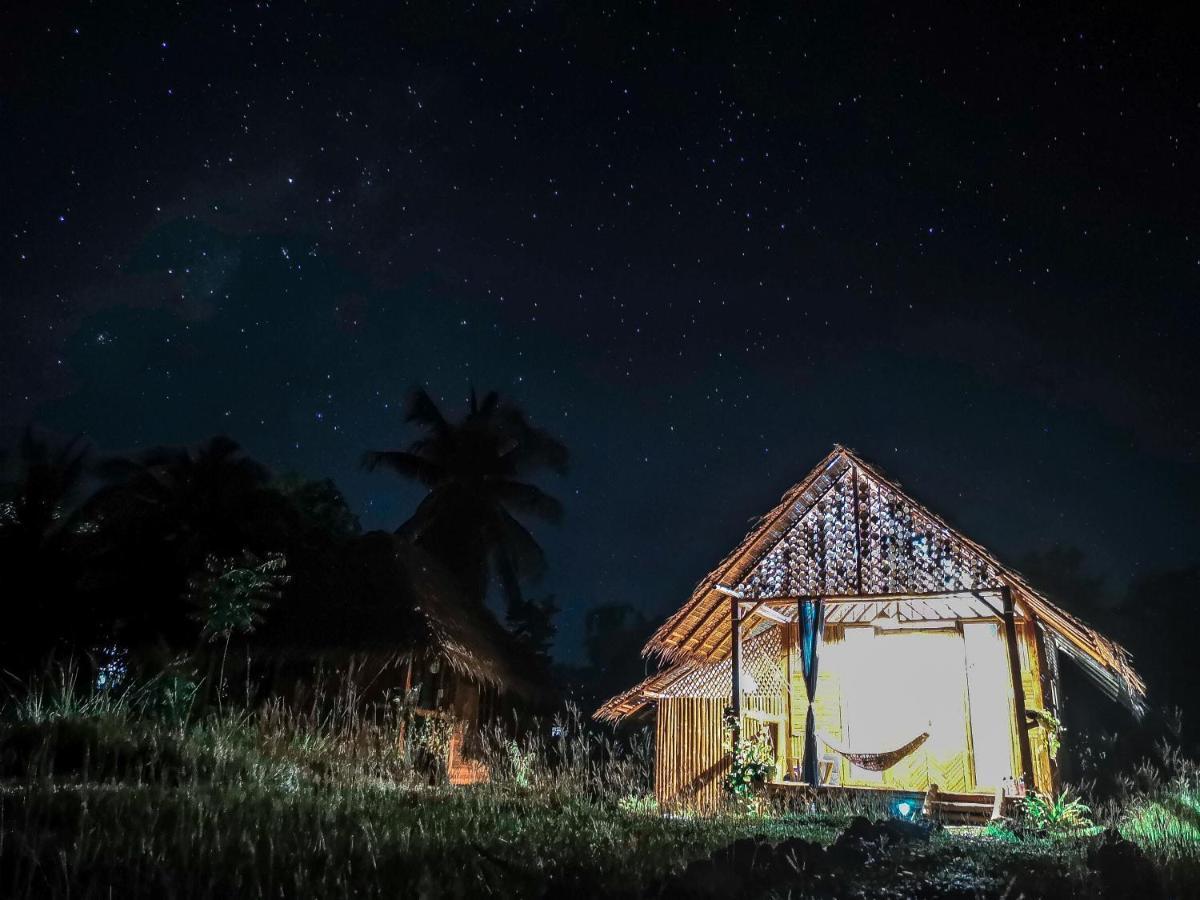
[699, 242]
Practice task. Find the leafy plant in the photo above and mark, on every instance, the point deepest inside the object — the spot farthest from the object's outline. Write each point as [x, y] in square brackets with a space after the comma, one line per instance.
[232, 594]
[1051, 729]
[1000, 830]
[1055, 815]
[429, 735]
[752, 760]
[519, 763]
[638, 804]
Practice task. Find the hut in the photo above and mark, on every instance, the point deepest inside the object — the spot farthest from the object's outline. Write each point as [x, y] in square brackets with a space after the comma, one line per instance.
[872, 647]
[387, 616]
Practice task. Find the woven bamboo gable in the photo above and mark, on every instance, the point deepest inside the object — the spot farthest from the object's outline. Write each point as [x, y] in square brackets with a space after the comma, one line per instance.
[846, 530]
[761, 672]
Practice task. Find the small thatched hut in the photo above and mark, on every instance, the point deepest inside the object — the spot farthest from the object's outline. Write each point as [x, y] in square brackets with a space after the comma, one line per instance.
[387, 613]
[874, 647]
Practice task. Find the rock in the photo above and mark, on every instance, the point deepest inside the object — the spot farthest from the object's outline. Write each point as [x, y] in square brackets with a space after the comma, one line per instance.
[797, 858]
[859, 829]
[1124, 870]
[902, 831]
[751, 866]
[745, 854]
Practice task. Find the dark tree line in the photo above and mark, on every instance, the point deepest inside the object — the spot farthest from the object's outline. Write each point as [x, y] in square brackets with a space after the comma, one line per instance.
[126, 555]
[1150, 616]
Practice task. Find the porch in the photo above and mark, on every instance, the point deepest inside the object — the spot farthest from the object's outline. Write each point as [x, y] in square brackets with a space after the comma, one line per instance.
[971, 808]
[907, 691]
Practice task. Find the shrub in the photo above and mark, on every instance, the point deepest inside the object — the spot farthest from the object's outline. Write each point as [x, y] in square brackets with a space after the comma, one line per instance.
[1063, 814]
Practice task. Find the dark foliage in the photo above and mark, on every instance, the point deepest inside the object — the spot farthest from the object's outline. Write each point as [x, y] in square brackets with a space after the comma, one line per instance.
[614, 634]
[44, 549]
[476, 472]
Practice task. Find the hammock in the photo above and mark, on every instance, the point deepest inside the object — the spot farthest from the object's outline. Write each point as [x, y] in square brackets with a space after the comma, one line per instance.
[876, 762]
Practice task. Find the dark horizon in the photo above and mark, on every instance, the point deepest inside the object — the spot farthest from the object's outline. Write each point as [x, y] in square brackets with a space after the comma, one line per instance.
[700, 247]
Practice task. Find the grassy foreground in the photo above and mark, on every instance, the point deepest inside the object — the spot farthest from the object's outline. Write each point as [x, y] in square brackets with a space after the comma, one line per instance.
[126, 796]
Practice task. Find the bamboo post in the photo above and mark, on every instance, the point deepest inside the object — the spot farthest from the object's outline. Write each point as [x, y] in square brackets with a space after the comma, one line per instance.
[1048, 669]
[735, 638]
[857, 534]
[930, 808]
[1014, 665]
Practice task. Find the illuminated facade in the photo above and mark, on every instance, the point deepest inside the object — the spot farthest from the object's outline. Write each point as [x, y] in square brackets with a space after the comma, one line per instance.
[874, 645]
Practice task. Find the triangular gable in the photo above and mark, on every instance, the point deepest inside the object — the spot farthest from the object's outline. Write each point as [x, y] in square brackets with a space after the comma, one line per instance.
[847, 530]
[863, 536]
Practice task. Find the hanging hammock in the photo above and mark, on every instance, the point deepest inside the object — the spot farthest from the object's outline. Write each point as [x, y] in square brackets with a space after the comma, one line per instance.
[876, 762]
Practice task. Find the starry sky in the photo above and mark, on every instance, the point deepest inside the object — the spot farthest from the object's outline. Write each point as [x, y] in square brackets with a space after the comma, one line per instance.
[699, 241]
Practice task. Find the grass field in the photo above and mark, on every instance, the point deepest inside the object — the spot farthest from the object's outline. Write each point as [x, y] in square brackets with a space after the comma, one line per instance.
[104, 796]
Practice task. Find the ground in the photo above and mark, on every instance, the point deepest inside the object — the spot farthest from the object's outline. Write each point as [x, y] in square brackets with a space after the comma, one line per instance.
[102, 802]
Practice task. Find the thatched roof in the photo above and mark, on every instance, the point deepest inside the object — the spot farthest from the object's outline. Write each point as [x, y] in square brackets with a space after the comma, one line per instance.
[848, 530]
[382, 596]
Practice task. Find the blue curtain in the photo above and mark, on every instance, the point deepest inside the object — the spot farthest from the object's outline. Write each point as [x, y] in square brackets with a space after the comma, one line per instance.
[812, 627]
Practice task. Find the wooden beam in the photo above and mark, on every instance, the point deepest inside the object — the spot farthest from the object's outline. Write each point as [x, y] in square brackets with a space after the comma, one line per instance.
[1004, 592]
[1047, 656]
[857, 534]
[1014, 665]
[895, 595]
[758, 609]
[735, 625]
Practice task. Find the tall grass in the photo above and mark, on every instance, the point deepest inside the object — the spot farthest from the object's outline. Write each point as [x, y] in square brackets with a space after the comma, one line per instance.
[139, 792]
[1159, 810]
[130, 793]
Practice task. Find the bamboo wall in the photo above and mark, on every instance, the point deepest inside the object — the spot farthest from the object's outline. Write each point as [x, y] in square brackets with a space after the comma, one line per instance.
[690, 758]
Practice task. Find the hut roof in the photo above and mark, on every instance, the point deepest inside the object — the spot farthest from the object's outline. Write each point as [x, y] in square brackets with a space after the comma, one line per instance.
[382, 596]
[846, 530]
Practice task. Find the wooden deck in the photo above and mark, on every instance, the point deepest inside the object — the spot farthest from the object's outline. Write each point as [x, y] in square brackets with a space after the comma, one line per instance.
[945, 807]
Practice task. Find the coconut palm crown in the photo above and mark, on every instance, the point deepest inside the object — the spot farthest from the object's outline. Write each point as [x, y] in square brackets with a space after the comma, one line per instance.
[476, 473]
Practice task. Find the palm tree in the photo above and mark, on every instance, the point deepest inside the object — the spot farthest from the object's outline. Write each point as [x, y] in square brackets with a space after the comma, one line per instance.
[196, 500]
[42, 533]
[165, 511]
[39, 492]
[475, 471]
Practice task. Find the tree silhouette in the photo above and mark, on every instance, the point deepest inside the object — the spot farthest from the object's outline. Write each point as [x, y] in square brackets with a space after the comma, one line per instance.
[197, 500]
[164, 512]
[41, 490]
[532, 623]
[475, 472]
[42, 533]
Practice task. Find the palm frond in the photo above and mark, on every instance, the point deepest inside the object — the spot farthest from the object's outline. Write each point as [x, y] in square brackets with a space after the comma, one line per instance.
[408, 465]
[220, 447]
[515, 542]
[490, 402]
[510, 580]
[529, 499]
[422, 410]
[117, 469]
[425, 516]
[533, 447]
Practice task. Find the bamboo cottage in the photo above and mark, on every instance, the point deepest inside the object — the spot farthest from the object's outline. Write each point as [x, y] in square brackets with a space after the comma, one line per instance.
[874, 647]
